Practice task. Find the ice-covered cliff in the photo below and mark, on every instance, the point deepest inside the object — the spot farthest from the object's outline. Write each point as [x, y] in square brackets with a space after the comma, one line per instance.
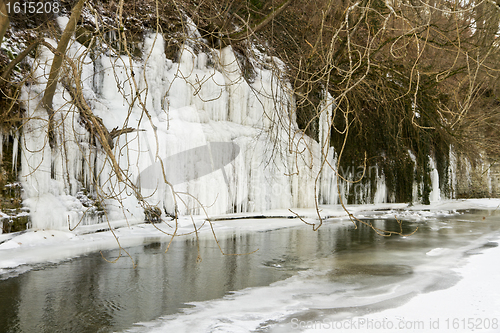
[226, 145]
[203, 136]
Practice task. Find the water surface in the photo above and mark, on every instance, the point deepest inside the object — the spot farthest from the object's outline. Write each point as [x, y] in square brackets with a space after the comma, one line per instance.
[336, 270]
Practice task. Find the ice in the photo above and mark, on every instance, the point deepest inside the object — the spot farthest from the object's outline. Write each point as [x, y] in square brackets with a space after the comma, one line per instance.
[452, 172]
[437, 252]
[380, 193]
[174, 107]
[309, 291]
[471, 300]
[435, 194]
[180, 107]
[316, 301]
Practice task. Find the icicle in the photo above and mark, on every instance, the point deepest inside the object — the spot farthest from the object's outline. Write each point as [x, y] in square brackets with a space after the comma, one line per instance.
[15, 150]
[328, 179]
[452, 173]
[381, 190]
[191, 106]
[435, 194]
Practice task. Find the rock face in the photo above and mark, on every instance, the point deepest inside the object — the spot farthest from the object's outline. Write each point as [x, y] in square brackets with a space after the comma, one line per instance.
[232, 135]
[477, 180]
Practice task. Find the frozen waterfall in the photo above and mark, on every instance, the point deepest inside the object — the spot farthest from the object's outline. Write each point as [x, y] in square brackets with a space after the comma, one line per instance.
[176, 108]
[203, 140]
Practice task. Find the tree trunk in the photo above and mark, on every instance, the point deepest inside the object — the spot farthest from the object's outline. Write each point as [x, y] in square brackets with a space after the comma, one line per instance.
[18, 59]
[50, 90]
[57, 61]
[93, 124]
[4, 19]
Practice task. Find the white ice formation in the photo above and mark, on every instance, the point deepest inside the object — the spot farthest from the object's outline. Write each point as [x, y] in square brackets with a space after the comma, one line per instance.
[225, 144]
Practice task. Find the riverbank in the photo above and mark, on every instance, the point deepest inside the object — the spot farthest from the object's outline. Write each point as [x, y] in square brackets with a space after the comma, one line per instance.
[472, 305]
[437, 278]
[38, 246]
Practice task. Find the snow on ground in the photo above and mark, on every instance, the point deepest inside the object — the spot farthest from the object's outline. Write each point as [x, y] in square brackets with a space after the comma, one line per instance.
[472, 305]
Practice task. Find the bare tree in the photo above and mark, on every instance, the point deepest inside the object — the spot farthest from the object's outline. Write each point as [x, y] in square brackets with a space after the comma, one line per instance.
[382, 77]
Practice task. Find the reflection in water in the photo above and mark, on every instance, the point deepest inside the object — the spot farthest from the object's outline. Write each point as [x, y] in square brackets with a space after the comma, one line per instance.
[88, 294]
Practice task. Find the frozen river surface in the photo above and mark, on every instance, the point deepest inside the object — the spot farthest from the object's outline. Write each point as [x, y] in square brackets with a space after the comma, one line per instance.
[297, 279]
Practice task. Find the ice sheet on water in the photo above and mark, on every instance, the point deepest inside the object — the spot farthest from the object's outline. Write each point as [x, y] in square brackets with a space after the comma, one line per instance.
[473, 299]
[309, 295]
[327, 288]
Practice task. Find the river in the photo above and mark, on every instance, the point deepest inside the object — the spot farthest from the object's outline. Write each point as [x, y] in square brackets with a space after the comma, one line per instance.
[338, 271]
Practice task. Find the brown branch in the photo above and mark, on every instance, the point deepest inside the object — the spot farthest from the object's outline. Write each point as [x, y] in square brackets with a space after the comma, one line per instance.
[97, 127]
[18, 59]
[115, 132]
[57, 61]
[241, 35]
